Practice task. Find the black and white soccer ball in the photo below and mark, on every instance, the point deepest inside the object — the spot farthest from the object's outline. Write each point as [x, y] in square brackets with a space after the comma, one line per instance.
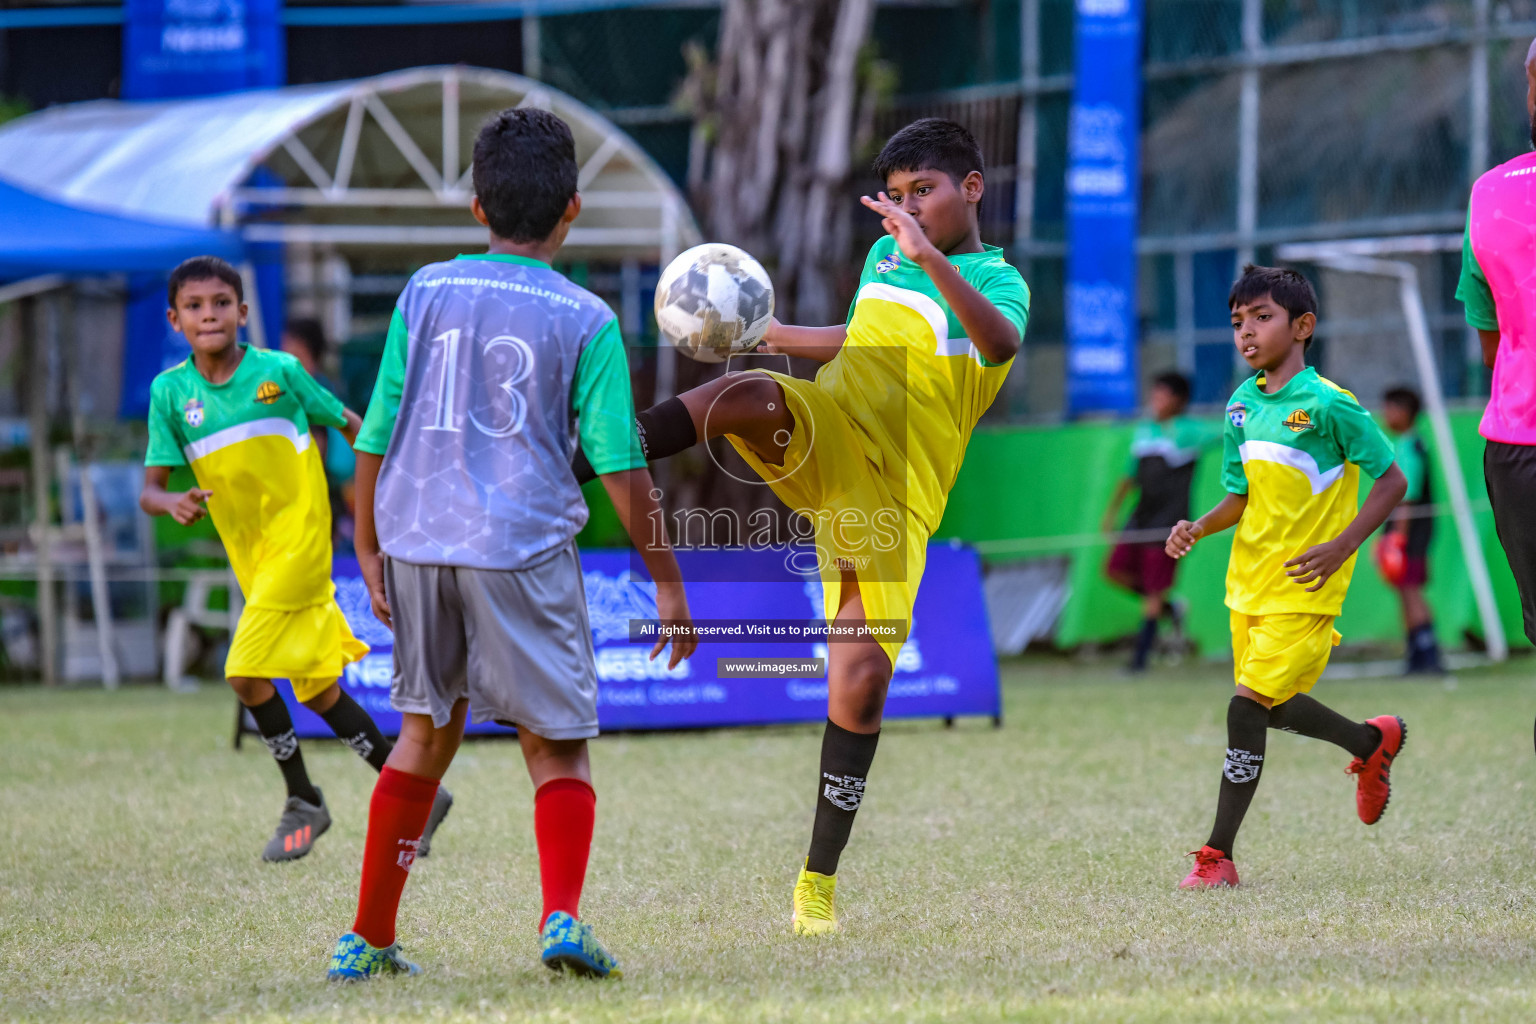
[714, 301]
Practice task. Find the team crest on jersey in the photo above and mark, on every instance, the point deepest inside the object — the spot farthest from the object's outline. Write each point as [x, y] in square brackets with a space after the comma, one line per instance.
[192, 412]
[1299, 421]
[269, 392]
[888, 264]
[1237, 412]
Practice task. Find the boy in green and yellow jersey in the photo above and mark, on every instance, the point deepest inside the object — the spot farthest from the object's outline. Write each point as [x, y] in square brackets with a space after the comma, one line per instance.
[868, 451]
[1295, 446]
[240, 418]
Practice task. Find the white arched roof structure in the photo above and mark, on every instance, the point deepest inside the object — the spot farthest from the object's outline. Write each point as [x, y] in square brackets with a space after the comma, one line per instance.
[373, 163]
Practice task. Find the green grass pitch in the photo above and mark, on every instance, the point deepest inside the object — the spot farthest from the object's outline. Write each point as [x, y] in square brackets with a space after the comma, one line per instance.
[1025, 873]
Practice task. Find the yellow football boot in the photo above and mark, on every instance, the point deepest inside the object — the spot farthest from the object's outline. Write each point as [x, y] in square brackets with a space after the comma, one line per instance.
[813, 903]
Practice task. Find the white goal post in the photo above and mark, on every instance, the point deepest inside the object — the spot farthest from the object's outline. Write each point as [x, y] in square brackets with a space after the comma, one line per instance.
[1369, 256]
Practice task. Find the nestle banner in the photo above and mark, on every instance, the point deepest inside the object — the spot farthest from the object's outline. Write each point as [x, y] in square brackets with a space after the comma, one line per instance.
[1103, 183]
[201, 47]
[946, 667]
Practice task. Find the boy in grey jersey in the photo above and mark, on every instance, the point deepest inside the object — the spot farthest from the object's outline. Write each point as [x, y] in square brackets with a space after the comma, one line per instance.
[467, 510]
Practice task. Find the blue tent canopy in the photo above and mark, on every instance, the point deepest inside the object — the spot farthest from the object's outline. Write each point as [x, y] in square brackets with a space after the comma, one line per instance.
[39, 236]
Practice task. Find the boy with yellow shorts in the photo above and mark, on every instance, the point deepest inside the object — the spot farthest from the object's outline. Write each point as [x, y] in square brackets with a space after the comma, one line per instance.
[1295, 446]
[868, 451]
[240, 418]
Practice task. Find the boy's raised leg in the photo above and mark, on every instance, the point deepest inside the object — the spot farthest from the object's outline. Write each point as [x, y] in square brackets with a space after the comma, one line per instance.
[858, 676]
[747, 404]
[1375, 744]
[305, 816]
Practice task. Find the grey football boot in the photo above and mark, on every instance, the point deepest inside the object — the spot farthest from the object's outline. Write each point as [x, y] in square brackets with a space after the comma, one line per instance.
[442, 803]
[301, 824]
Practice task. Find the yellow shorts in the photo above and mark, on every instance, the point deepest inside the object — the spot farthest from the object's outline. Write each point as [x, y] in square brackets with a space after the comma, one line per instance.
[307, 646]
[1281, 655]
[859, 525]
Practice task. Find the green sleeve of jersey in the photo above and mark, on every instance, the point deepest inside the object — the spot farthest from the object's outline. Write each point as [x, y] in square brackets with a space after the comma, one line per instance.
[1358, 436]
[164, 446]
[384, 406]
[870, 260]
[1233, 476]
[1006, 290]
[1410, 460]
[605, 409]
[1472, 290]
[322, 407]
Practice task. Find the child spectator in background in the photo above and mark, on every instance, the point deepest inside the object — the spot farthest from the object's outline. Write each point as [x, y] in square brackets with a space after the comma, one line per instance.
[304, 339]
[1409, 530]
[1164, 450]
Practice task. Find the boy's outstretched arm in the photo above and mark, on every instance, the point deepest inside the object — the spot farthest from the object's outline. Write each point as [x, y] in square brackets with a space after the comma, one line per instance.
[1226, 514]
[993, 334]
[819, 343]
[186, 507]
[1321, 561]
[631, 492]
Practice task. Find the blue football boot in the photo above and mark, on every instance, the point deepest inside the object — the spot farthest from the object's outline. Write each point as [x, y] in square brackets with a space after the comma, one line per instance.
[569, 945]
[355, 960]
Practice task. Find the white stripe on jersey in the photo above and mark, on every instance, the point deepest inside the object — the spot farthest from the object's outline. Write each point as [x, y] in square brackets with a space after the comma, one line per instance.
[272, 426]
[1269, 451]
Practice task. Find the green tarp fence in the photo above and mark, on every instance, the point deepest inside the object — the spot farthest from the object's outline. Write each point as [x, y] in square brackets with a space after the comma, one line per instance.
[1047, 487]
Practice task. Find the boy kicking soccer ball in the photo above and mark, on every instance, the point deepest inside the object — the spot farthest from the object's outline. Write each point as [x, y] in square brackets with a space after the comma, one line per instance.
[467, 512]
[241, 418]
[869, 450]
[1294, 449]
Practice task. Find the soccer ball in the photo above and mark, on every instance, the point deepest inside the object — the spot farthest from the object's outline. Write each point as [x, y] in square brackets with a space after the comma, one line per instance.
[714, 301]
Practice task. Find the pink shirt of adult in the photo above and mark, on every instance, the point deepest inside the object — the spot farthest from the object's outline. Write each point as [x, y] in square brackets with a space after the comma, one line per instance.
[1498, 289]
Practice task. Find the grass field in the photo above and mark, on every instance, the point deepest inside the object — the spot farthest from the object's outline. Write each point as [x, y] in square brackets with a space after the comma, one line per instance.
[1025, 873]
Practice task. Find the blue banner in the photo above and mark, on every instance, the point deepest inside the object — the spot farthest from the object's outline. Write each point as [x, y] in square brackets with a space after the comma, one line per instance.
[201, 47]
[1103, 183]
[947, 667]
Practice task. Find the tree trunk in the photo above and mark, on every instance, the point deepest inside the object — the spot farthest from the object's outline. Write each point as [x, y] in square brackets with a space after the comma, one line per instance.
[780, 113]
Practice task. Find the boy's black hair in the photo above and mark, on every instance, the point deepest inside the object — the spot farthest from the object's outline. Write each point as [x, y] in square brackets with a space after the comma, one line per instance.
[931, 142]
[1405, 398]
[204, 268]
[1175, 382]
[310, 333]
[1287, 288]
[524, 172]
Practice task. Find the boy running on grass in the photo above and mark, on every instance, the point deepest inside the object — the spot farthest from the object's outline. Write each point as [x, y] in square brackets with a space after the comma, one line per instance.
[241, 418]
[869, 450]
[1164, 450]
[1295, 446]
[467, 513]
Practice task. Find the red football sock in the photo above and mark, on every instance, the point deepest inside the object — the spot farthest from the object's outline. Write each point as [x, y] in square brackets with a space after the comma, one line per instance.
[563, 811]
[397, 816]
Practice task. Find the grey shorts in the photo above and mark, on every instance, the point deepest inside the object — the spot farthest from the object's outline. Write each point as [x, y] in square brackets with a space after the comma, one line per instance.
[516, 642]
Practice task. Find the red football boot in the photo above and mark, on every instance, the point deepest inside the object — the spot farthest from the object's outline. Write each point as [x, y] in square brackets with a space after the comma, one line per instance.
[1212, 868]
[1373, 775]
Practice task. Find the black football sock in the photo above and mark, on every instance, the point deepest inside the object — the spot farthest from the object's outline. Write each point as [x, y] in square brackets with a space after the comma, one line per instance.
[353, 726]
[1246, 724]
[276, 728]
[845, 760]
[1307, 717]
[1144, 641]
[664, 429]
